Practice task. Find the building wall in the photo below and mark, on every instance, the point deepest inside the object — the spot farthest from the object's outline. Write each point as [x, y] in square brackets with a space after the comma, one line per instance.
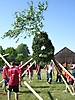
[65, 55]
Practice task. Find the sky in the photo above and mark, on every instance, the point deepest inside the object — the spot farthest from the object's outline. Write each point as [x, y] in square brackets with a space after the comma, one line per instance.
[59, 22]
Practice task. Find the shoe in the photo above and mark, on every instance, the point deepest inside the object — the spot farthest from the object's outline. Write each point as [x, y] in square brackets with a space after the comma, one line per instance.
[5, 91]
[50, 83]
[65, 91]
[20, 85]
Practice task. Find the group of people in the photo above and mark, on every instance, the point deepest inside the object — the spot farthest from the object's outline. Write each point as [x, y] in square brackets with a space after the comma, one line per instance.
[29, 72]
[68, 79]
[12, 77]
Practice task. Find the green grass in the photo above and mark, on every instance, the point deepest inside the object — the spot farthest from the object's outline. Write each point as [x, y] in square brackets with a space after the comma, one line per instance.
[52, 91]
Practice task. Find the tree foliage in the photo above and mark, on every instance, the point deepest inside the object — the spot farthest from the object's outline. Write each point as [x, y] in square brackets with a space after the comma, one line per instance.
[22, 52]
[43, 49]
[12, 53]
[22, 49]
[28, 21]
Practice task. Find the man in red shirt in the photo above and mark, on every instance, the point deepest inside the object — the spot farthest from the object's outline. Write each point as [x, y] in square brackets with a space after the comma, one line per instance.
[22, 70]
[38, 71]
[13, 73]
[30, 73]
[27, 73]
[5, 76]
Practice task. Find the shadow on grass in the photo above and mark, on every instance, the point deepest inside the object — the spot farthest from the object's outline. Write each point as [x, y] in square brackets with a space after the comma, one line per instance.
[28, 92]
[1, 94]
[0, 85]
[51, 98]
[40, 86]
[24, 91]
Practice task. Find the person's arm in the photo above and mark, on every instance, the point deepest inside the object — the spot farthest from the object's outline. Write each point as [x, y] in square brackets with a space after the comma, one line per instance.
[8, 72]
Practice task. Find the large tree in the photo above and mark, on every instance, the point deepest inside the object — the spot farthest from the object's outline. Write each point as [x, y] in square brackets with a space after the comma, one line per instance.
[12, 53]
[43, 49]
[22, 52]
[23, 49]
[27, 22]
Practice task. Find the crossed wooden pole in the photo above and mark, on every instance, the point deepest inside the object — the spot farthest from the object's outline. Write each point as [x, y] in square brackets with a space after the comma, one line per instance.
[65, 70]
[56, 62]
[29, 87]
[26, 63]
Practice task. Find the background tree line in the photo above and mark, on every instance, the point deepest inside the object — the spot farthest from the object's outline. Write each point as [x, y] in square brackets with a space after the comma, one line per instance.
[21, 53]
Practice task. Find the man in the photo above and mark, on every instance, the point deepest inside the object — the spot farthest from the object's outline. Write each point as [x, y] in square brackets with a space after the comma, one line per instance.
[5, 76]
[22, 70]
[13, 73]
[30, 73]
[50, 72]
[38, 71]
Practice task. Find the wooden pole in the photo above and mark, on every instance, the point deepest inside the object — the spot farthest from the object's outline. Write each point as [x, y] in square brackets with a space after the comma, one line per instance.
[67, 85]
[1, 81]
[28, 68]
[31, 89]
[65, 70]
[63, 78]
[6, 54]
[26, 63]
[4, 60]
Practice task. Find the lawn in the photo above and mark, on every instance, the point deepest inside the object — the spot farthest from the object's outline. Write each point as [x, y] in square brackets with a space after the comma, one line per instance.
[52, 91]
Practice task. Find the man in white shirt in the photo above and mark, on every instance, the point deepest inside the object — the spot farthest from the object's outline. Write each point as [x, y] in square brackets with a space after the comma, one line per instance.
[50, 70]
